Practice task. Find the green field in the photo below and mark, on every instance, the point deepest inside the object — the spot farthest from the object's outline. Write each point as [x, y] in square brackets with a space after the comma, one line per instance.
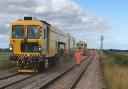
[122, 53]
[4, 61]
[4, 56]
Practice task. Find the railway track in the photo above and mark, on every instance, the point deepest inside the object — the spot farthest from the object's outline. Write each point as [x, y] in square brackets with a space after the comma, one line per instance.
[74, 82]
[79, 76]
[18, 84]
[13, 79]
[8, 76]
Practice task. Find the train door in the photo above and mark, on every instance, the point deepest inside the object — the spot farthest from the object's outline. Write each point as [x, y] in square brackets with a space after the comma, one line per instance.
[48, 39]
[61, 48]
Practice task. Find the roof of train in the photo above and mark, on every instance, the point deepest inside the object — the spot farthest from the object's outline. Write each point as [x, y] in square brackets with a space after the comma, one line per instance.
[81, 42]
[57, 30]
[52, 28]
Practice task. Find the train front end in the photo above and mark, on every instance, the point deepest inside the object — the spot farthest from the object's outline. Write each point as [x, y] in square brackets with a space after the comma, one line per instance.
[25, 44]
[81, 46]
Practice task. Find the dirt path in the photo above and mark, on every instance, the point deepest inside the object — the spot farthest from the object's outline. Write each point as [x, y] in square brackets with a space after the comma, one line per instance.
[93, 77]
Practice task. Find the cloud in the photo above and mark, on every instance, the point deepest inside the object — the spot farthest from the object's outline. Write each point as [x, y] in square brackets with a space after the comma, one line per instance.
[65, 14]
[116, 42]
[15, 7]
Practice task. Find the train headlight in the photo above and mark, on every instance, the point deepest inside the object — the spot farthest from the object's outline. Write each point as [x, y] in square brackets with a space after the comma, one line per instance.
[22, 61]
[39, 48]
[10, 48]
[28, 55]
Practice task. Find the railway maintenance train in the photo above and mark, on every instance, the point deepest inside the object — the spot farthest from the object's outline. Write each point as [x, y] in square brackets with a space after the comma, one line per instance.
[33, 43]
[81, 45]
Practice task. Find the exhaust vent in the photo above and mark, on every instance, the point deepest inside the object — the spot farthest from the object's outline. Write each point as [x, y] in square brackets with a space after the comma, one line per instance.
[28, 18]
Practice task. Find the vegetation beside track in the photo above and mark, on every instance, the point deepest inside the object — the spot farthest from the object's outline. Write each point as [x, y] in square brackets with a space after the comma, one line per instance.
[122, 53]
[118, 58]
[115, 70]
[5, 63]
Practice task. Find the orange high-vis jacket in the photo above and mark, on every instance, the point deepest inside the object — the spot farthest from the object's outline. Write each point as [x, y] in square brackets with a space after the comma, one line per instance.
[78, 57]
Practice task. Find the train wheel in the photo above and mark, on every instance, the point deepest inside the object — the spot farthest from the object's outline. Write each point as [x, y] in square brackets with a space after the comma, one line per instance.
[51, 62]
[39, 67]
[35, 67]
[42, 66]
[56, 58]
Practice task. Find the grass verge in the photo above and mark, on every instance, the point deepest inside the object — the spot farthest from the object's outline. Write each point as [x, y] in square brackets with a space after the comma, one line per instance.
[4, 61]
[6, 64]
[115, 74]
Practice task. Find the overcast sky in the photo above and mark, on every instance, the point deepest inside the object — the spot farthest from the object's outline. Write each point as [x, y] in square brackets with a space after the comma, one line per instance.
[86, 20]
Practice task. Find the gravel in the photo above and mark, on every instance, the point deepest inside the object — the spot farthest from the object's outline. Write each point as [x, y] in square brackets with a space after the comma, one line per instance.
[67, 79]
[12, 79]
[37, 84]
[93, 77]
[8, 72]
[45, 76]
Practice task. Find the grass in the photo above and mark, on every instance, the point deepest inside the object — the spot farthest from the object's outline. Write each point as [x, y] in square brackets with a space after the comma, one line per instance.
[122, 53]
[118, 58]
[4, 56]
[5, 63]
[115, 74]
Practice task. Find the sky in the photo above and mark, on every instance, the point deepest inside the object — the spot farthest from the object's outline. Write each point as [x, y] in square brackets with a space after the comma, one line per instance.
[86, 20]
[116, 11]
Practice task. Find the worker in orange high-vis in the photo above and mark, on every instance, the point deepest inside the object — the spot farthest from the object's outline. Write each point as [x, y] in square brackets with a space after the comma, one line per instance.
[91, 53]
[78, 56]
[94, 52]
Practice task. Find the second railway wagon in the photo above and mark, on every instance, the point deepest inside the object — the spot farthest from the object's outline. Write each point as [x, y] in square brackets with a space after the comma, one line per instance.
[81, 45]
[33, 41]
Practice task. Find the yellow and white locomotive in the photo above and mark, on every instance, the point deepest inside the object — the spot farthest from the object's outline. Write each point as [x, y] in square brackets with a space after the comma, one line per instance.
[81, 45]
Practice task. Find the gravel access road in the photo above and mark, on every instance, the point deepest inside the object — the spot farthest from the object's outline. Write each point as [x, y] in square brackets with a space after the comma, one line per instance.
[93, 77]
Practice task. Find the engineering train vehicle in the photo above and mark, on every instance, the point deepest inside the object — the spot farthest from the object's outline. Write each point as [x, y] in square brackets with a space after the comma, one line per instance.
[33, 43]
[81, 45]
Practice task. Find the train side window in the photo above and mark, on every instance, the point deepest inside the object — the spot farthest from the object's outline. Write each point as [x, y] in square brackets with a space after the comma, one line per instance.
[43, 33]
